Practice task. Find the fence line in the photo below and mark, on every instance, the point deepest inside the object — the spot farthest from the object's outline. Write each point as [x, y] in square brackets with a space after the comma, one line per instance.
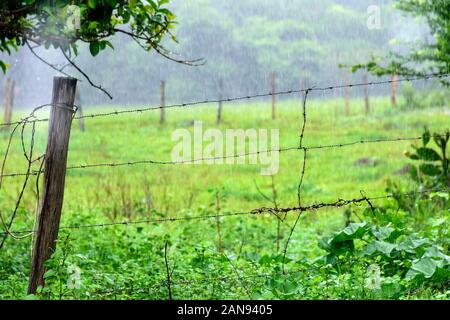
[255, 212]
[279, 213]
[193, 161]
[248, 97]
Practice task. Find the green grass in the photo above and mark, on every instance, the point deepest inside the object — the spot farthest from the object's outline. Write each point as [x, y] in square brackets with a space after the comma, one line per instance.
[133, 255]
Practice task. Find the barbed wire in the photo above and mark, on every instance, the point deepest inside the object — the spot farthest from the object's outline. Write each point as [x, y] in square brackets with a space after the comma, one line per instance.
[249, 97]
[207, 159]
[255, 212]
[281, 213]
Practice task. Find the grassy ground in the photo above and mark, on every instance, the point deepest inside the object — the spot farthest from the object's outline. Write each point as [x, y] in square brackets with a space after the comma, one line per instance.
[132, 256]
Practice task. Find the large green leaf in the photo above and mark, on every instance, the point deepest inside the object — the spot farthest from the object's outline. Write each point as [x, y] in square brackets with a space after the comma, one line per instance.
[434, 253]
[352, 231]
[412, 244]
[425, 266]
[428, 154]
[382, 233]
[430, 169]
[383, 247]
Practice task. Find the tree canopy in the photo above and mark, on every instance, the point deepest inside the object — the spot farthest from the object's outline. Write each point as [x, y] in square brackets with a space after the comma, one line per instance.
[63, 24]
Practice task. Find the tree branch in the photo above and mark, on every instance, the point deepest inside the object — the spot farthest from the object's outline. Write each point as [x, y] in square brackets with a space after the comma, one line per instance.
[60, 70]
[85, 75]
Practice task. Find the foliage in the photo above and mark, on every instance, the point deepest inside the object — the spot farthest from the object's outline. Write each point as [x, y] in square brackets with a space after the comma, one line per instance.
[433, 170]
[64, 24]
[396, 251]
[424, 57]
[389, 238]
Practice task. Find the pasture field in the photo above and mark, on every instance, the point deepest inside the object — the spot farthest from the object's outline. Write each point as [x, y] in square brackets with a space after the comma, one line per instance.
[235, 257]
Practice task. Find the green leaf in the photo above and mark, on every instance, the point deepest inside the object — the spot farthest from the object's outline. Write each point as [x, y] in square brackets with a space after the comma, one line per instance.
[109, 44]
[74, 48]
[352, 231]
[112, 3]
[94, 47]
[4, 66]
[49, 274]
[153, 4]
[92, 4]
[383, 247]
[425, 266]
[412, 244]
[430, 169]
[426, 137]
[428, 154]
[412, 156]
[435, 253]
[382, 233]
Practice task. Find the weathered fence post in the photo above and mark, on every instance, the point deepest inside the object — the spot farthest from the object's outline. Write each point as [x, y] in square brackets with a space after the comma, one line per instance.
[8, 100]
[220, 103]
[80, 111]
[346, 94]
[273, 94]
[54, 177]
[366, 94]
[394, 90]
[162, 92]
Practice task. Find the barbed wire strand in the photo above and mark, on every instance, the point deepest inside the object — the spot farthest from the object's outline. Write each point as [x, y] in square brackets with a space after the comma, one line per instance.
[248, 97]
[193, 161]
[255, 212]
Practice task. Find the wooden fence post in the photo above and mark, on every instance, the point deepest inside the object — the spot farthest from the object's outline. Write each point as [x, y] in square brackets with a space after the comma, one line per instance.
[366, 94]
[346, 94]
[162, 91]
[54, 177]
[8, 100]
[220, 103]
[273, 94]
[394, 90]
[79, 105]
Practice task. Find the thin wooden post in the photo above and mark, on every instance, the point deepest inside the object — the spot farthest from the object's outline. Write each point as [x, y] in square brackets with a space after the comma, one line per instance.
[80, 111]
[394, 90]
[8, 100]
[366, 94]
[162, 91]
[273, 85]
[347, 94]
[219, 234]
[220, 103]
[54, 177]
